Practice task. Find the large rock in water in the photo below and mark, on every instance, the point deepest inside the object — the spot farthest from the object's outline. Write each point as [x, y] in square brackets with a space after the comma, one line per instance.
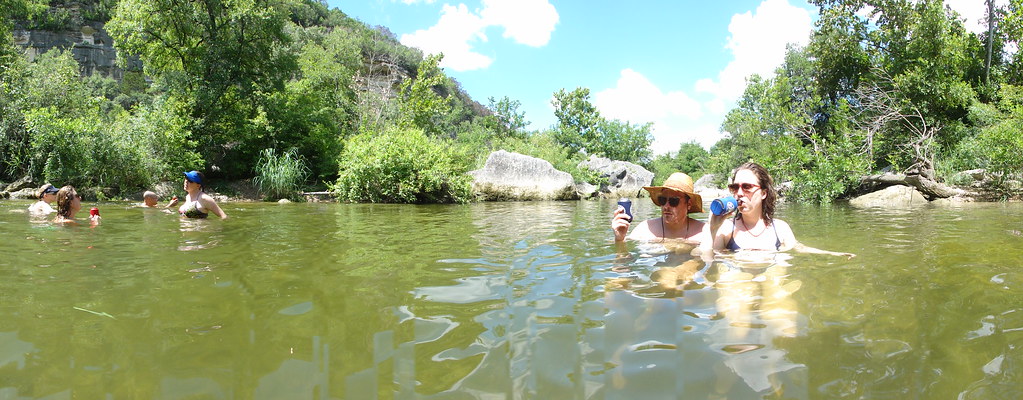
[624, 179]
[706, 188]
[892, 196]
[513, 176]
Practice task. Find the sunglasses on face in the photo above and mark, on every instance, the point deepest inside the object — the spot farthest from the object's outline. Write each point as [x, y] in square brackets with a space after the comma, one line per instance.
[748, 187]
[673, 201]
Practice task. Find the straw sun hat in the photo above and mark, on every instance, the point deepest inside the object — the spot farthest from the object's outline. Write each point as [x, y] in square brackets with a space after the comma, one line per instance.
[675, 184]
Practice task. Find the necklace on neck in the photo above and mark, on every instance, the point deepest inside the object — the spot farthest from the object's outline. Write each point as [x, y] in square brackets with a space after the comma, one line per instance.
[664, 233]
[751, 232]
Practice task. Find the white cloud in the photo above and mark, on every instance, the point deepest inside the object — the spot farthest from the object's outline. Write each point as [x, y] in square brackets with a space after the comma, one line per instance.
[528, 22]
[974, 11]
[637, 100]
[757, 43]
[669, 135]
[453, 35]
[676, 117]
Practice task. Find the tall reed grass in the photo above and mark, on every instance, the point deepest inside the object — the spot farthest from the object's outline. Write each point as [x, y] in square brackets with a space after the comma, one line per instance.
[280, 175]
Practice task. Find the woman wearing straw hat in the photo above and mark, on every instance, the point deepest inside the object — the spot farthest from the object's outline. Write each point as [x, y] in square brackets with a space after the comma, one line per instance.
[676, 199]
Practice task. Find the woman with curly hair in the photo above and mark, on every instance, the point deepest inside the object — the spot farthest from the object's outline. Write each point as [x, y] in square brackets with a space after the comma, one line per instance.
[754, 226]
[68, 204]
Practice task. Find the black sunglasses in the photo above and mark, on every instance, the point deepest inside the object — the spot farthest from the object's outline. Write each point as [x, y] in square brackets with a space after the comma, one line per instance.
[745, 186]
[673, 201]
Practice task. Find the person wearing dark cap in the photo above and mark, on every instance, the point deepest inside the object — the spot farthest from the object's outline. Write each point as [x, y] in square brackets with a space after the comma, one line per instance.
[47, 194]
[676, 199]
[197, 203]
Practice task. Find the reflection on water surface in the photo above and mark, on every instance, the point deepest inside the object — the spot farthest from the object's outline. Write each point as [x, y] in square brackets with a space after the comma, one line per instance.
[509, 300]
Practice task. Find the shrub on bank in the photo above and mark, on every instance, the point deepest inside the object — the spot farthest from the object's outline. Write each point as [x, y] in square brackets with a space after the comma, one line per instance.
[401, 166]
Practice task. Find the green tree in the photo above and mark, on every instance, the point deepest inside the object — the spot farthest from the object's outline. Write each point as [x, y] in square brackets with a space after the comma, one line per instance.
[578, 119]
[581, 128]
[509, 120]
[623, 141]
[221, 57]
[316, 111]
[421, 107]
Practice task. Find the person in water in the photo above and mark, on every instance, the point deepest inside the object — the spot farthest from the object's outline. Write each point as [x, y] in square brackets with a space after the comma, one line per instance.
[68, 204]
[197, 203]
[676, 199]
[754, 226]
[152, 200]
[47, 194]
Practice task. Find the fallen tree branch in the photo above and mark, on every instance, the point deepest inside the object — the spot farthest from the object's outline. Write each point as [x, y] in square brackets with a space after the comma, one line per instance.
[930, 188]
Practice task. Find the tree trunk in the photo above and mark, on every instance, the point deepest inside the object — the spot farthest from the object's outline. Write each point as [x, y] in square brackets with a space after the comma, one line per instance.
[929, 187]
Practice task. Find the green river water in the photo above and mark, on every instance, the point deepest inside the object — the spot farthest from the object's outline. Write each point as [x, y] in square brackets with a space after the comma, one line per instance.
[505, 301]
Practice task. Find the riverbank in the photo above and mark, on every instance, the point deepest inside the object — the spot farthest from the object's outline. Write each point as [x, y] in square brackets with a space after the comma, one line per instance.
[246, 191]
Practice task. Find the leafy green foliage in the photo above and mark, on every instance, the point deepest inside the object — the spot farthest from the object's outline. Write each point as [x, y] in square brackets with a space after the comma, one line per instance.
[84, 152]
[999, 146]
[832, 172]
[577, 118]
[581, 128]
[401, 166]
[280, 175]
[160, 132]
[691, 158]
[215, 56]
[508, 120]
[421, 106]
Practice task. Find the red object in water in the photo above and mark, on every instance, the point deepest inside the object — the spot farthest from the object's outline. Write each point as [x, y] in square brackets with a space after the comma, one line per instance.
[94, 211]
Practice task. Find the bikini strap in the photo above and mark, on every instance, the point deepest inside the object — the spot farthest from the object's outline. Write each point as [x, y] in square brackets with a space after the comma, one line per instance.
[777, 239]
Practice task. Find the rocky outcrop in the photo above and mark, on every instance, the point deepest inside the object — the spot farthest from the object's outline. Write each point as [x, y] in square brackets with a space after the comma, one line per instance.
[90, 45]
[624, 179]
[513, 176]
[708, 190]
[586, 190]
[897, 196]
[24, 183]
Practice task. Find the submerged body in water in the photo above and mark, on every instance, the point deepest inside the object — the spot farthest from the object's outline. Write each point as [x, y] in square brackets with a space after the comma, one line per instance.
[728, 313]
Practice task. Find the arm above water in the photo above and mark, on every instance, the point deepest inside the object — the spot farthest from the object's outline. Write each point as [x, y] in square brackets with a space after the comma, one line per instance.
[789, 242]
[719, 228]
[211, 205]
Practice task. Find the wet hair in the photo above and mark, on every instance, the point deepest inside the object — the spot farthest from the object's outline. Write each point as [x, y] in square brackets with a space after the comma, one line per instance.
[65, 196]
[766, 184]
[149, 194]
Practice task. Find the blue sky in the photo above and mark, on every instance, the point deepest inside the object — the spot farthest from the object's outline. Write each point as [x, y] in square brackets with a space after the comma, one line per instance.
[680, 64]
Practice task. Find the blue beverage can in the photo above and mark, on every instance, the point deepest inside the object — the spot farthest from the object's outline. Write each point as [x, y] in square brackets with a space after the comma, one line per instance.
[627, 204]
[724, 205]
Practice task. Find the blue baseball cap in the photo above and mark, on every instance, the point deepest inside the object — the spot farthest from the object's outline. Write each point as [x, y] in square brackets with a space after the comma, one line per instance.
[193, 176]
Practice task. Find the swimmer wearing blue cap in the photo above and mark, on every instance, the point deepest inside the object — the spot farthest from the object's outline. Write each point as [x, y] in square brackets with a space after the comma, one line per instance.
[197, 203]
